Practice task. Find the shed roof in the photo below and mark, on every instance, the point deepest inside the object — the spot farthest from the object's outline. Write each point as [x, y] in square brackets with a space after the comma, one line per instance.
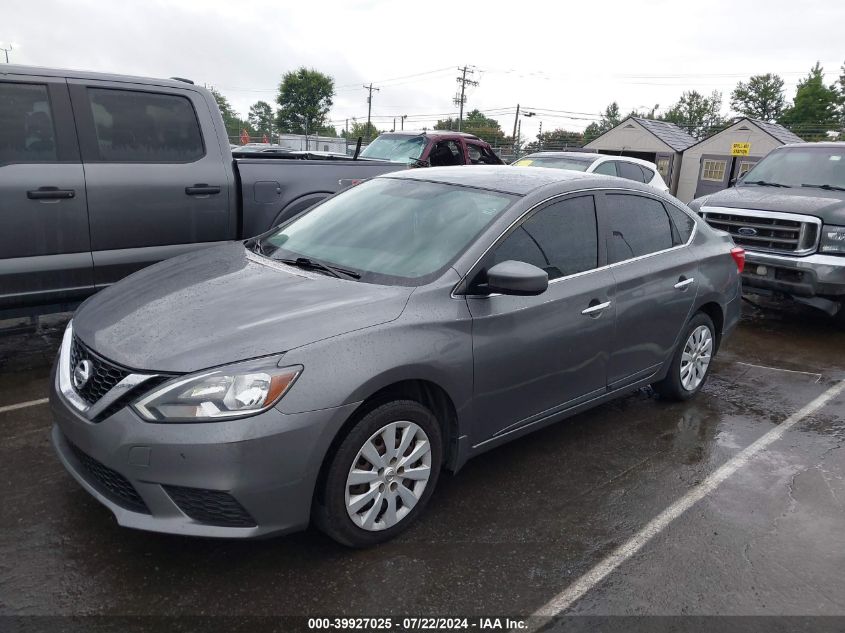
[667, 132]
[778, 131]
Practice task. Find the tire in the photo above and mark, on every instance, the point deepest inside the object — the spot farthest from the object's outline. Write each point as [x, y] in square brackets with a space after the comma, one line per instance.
[687, 376]
[839, 317]
[378, 480]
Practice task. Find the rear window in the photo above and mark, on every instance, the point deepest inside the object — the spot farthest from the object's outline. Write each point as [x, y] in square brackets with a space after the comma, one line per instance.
[145, 127]
[26, 124]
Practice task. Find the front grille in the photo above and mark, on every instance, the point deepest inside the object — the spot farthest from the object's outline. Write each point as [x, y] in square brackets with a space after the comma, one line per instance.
[110, 483]
[766, 233]
[104, 376]
[212, 507]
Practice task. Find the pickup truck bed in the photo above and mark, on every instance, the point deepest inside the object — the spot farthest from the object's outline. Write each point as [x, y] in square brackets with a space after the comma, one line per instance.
[101, 175]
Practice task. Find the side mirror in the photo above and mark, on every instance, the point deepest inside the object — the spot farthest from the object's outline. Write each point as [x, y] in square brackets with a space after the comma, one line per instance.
[732, 182]
[517, 278]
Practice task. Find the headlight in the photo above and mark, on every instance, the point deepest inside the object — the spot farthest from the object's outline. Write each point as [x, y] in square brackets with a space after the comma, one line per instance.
[833, 240]
[229, 392]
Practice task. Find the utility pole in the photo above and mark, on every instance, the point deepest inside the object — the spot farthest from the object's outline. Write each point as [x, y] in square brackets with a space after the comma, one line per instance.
[403, 120]
[515, 119]
[369, 106]
[394, 125]
[6, 50]
[540, 136]
[460, 100]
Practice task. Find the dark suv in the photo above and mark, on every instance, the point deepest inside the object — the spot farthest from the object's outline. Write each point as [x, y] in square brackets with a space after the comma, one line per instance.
[432, 149]
[788, 213]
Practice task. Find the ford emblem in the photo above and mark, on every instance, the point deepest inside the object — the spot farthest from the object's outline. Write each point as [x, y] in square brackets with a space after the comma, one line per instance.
[747, 231]
[82, 373]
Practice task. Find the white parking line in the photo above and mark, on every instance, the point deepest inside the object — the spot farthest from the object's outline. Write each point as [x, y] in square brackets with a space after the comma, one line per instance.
[565, 599]
[24, 405]
[791, 371]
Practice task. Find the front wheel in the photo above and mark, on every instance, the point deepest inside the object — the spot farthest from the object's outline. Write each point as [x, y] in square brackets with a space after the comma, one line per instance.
[691, 362]
[382, 475]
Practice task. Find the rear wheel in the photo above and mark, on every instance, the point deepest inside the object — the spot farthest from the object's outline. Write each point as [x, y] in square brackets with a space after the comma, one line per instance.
[691, 362]
[382, 475]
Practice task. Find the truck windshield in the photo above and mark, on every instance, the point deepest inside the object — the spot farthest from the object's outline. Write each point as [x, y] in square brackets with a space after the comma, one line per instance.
[398, 148]
[800, 166]
[389, 230]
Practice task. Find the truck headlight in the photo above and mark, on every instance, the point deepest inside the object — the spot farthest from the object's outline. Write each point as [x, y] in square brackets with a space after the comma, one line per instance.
[229, 392]
[833, 240]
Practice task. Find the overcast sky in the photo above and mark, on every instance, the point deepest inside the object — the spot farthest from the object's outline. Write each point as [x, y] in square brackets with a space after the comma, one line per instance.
[569, 57]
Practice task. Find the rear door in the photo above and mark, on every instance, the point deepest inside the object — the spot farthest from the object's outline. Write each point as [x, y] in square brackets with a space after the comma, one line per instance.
[713, 174]
[534, 356]
[45, 253]
[656, 275]
[156, 181]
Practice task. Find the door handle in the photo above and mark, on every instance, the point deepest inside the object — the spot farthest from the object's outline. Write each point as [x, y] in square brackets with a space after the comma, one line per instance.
[595, 308]
[50, 193]
[202, 190]
[683, 282]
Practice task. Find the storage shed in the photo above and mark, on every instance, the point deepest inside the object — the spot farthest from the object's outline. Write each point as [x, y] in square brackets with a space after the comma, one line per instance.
[711, 164]
[660, 142]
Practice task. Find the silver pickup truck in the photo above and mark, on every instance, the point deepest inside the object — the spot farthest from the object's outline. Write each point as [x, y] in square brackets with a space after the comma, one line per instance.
[788, 213]
[101, 175]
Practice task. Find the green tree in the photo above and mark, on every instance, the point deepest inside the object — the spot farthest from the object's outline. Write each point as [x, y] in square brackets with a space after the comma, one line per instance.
[231, 119]
[305, 97]
[476, 123]
[760, 98]
[815, 108]
[609, 119]
[695, 113]
[556, 139]
[261, 118]
[327, 130]
[367, 130]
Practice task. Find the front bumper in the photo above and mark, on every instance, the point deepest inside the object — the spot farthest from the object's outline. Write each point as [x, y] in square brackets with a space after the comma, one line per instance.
[241, 478]
[811, 276]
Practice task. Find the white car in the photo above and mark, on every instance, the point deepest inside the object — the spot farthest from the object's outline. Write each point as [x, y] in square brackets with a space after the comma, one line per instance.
[621, 166]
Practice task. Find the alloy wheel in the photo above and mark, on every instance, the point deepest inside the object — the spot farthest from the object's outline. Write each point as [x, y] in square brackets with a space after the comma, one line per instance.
[698, 350]
[388, 476]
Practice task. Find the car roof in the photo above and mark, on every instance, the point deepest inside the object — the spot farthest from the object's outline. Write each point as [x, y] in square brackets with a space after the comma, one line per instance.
[520, 181]
[835, 144]
[16, 69]
[433, 133]
[563, 154]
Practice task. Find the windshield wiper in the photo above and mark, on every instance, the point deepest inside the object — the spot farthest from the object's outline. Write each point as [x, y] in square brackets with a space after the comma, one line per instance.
[825, 186]
[313, 264]
[765, 183]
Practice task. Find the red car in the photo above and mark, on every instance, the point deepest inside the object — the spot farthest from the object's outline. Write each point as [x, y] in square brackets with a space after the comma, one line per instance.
[432, 149]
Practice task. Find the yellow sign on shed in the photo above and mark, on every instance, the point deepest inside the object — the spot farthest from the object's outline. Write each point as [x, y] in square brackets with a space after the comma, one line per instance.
[740, 149]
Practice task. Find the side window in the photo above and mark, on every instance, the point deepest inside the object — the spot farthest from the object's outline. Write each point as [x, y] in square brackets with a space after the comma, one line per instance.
[145, 127]
[446, 153]
[630, 171]
[560, 238]
[682, 222]
[26, 124]
[608, 168]
[636, 226]
[480, 155]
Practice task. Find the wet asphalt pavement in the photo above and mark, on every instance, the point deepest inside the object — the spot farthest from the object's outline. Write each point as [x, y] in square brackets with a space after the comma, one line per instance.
[505, 535]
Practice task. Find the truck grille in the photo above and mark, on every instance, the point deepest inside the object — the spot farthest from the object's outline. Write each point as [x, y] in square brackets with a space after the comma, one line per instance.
[104, 376]
[771, 233]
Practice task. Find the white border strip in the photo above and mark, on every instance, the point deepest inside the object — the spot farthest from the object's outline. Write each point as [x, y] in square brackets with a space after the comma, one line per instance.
[565, 599]
[24, 405]
[791, 371]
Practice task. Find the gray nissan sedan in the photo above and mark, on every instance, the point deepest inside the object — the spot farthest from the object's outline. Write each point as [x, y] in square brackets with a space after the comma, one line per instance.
[329, 369]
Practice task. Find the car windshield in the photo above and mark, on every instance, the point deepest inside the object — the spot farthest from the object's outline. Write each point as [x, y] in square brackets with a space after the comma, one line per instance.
[398, 148]
[556, 162]
[389, 230]
[800, 166]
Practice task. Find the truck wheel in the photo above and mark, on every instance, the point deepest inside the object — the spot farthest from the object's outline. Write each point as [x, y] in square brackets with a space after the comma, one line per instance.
[382, 475]
[839, 318]
[691, 362]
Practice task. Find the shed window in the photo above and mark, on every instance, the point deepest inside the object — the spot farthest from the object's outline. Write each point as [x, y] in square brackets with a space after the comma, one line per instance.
[663, 167]
[744, 167]
[713, 170]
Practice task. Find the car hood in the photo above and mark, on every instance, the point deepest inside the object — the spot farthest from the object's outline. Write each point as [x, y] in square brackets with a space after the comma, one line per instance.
[827, 205]
[224, 304]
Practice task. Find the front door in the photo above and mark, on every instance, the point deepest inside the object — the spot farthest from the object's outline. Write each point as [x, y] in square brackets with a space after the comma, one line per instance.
[157, 183]
[656, 277]
[45, 254]
[534, 356]
[713, 174]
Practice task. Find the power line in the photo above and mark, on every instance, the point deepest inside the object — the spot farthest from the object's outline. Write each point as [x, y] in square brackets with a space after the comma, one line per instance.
[461, 100]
